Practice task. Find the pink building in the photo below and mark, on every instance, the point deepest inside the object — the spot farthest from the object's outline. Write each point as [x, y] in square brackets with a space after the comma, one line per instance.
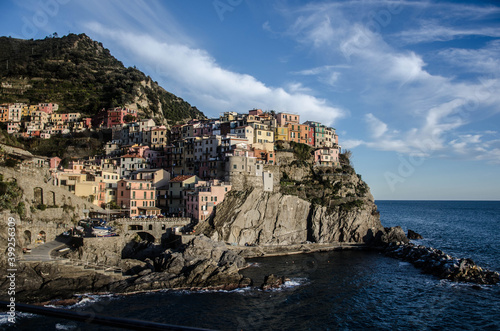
[54, 162]
[138, 197]
[284, 118]
[255, 112]
[47, 107]
[327, 156]
[201, 200]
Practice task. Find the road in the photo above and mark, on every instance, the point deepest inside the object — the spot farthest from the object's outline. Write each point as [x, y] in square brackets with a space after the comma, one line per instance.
[43, 252]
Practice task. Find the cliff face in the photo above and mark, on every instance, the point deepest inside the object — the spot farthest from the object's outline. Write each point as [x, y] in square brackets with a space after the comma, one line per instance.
[316, 204]
[257, 217]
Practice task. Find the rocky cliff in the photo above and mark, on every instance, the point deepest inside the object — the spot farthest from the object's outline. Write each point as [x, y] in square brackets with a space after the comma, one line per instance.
[315, 204]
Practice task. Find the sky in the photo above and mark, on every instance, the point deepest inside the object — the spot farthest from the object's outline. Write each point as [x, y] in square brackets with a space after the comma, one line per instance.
[411, 87]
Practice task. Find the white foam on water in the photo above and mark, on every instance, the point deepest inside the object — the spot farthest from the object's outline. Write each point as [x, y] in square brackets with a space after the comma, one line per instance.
[69, 326]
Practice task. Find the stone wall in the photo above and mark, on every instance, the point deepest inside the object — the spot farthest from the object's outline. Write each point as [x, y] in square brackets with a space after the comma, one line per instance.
[36, 192]
[241, 182]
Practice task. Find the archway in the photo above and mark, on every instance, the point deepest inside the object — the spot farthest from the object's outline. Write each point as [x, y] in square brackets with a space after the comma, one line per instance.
[27, 238]
[146, 236]
[42, 237]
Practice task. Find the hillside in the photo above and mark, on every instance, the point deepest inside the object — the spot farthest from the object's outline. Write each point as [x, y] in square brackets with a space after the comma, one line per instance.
[82, 76]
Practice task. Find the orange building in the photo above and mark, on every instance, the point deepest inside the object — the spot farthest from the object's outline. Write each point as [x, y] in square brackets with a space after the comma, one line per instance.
[137, 196]
[298, 133]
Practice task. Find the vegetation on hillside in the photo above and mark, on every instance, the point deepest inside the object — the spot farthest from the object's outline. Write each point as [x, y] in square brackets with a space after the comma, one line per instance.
[327, 186]
[10, 197]
[81, 76]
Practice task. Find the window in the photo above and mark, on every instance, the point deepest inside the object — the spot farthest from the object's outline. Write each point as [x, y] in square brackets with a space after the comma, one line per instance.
[121, 193]
[133, 195]
[234, 166]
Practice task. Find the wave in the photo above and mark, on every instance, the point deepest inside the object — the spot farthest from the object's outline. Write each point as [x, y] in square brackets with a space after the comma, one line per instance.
[69, 326]
[4, 318]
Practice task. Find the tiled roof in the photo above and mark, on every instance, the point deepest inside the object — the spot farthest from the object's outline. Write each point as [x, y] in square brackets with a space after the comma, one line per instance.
[130, 155]
[181, 178]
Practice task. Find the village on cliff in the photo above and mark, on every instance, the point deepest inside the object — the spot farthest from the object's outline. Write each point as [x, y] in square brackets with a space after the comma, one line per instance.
[150, 170]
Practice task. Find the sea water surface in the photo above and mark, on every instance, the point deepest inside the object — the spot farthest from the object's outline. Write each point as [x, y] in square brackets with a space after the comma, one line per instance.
[349, 290]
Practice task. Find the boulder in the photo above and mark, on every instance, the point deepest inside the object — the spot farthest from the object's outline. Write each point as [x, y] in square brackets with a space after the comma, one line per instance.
[412, 235]
[395, 234]
[272, 281]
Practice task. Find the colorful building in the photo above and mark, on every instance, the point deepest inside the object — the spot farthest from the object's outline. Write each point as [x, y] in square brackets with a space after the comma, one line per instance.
[137, 197]
[204, 197]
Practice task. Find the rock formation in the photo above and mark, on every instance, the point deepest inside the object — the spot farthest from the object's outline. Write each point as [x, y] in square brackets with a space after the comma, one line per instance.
[257, 217]
[315, 204]
[435, 262]
[412, 235]
[202, 263]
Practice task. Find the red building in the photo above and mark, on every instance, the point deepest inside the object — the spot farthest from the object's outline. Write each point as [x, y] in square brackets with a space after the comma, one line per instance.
[110, 117]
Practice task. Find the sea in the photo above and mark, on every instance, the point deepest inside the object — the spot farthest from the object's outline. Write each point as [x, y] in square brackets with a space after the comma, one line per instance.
[345, 290]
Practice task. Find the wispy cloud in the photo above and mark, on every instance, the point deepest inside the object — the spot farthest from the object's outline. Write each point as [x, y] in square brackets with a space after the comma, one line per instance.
[205, 82]
[431, 31]
[431, 108]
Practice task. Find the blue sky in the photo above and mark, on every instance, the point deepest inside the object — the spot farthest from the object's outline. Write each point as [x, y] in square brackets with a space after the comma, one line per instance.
[412, 87]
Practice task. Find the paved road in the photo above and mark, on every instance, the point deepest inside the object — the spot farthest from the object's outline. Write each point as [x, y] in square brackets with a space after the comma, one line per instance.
[43, 252]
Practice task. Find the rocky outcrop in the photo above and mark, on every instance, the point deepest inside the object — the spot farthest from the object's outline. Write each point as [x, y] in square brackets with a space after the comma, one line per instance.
[41, 281]
[412, 235]
[435, 262]
[272, 281]
[258, 217]
[255, 217]
[202, 263]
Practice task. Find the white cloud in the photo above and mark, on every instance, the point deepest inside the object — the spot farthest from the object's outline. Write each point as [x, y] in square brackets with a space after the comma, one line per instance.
[206, 82]
[430, 107]
[483, 60]
[431, 31]
[376, 126]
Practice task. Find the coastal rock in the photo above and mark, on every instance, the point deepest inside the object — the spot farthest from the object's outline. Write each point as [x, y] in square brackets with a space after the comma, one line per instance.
[395, 234]
[272, 281]
[42, 281]
[201, 263]
[435, 262]
[412, 235]
[255, 217]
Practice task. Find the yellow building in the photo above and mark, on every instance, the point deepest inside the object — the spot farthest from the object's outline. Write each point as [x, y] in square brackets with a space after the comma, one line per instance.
[281, 133]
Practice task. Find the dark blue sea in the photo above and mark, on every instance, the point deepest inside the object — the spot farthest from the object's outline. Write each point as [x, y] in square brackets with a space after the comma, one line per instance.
[349, 290]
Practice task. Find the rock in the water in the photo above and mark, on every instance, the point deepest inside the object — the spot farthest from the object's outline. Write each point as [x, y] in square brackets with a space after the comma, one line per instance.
[272, 281]
[412, 235]
[395, 234]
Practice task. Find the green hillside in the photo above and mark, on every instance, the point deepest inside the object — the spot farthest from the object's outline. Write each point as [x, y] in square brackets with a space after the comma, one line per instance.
[82, 76]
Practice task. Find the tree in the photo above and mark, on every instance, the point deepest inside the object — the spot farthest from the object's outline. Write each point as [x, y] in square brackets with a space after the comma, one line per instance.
[129, 118]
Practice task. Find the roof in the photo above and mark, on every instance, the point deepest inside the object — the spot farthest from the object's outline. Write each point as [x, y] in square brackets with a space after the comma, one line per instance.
[130, 155]
[181, 178]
